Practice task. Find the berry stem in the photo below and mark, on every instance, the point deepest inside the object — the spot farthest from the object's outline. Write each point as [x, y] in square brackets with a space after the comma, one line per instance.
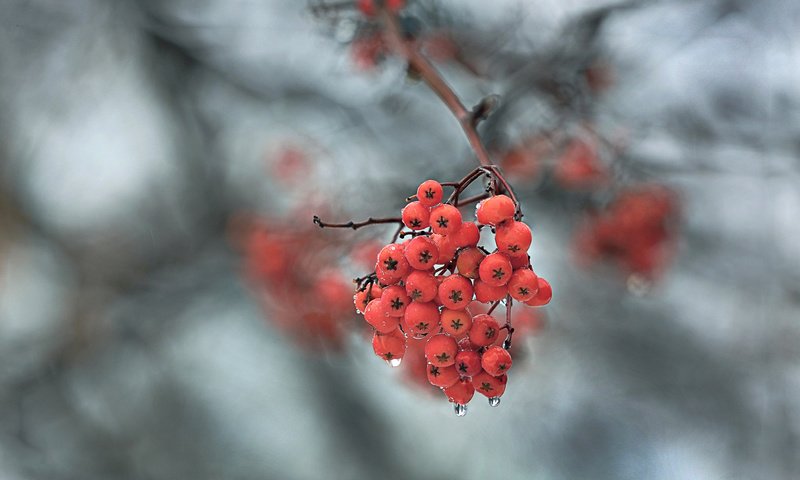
[507, 326]
[468, 119]
[494, 305]
[357, 225]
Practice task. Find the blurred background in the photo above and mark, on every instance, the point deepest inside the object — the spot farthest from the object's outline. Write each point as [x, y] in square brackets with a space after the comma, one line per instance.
[169, 311]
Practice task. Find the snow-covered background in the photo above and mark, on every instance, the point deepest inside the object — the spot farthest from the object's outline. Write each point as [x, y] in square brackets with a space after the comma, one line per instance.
[131, 348]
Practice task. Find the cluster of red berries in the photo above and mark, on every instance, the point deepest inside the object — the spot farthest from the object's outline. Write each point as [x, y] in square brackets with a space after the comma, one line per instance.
[635, 231]
[421, 288]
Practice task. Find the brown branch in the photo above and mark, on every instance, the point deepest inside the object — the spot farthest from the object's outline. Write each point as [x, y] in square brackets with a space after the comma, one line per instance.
[357, 225]
[425, 69]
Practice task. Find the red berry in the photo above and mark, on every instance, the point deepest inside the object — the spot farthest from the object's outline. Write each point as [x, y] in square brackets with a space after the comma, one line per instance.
[468, 363]
[395, 6]
[445, 219]
[421, 286]
[429, 193]
[445, 246]
[543, 296]
[455, 292]
[495, 210]
[490, 386]
[495, 269]
[389, 346]
[386, 277]
[441, 350]
[513, 238]
[367, 7]
[395, 300]
[496, 361]
[469, 259]
[524, 285]
[362, 297]
[376, 315]
[421, 253]
[416, 216]
[486, 293]
[456, 322]
[421, 319]
[484, 331]
[521, 261]
[467, 235]
[392, 260]
[460, 392]
[442, 377]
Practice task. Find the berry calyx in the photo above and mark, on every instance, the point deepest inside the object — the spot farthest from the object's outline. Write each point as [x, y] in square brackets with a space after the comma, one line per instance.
[484, 331]
[543, 296]
[395, 300]
[456, 322]
[455, 292]
[468, 363]
[524, 285]
[441, 350]
[416, 216]
[392, 260]
[445, 219]
[442, 377]
[421, 286]
[513, 238]
[490, 386]
[422, 253]
[429, 193]
[496, 361]
[421, 319]
[495, 269]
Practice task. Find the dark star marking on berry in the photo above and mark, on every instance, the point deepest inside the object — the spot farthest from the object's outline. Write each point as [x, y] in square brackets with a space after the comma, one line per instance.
[429, 193]
[514, 248]
[462, 367]
[456, 324]
[442, 357]
[390, 263]
[502, 367]
[434, 370]
[416, 294]
[455, 296]
[490, 332]
[425, 256]
[442, 222]
[498, 273]
[389, 356]
[422, 326]
[416, 222]
[397, 304]
[523, 291]
[486, 387]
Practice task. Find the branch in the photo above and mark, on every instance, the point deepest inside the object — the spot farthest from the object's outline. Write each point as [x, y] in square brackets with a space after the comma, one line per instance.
[357, 225]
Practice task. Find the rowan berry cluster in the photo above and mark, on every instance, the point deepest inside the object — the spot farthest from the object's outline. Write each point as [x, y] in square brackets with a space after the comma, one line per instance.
[425, 280]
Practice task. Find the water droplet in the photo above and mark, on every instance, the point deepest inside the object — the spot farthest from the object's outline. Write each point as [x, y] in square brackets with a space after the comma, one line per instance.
[460, 410]
[506, 344]
[494, 401]
[345, 30]
[395, 362]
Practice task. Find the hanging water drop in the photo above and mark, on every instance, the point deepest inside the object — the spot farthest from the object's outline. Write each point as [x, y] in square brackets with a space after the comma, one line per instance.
[460, 410]
[395, 362]
[494, 401]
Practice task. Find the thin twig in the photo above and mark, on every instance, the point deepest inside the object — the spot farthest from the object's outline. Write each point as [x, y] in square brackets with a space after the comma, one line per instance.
[357, 225]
